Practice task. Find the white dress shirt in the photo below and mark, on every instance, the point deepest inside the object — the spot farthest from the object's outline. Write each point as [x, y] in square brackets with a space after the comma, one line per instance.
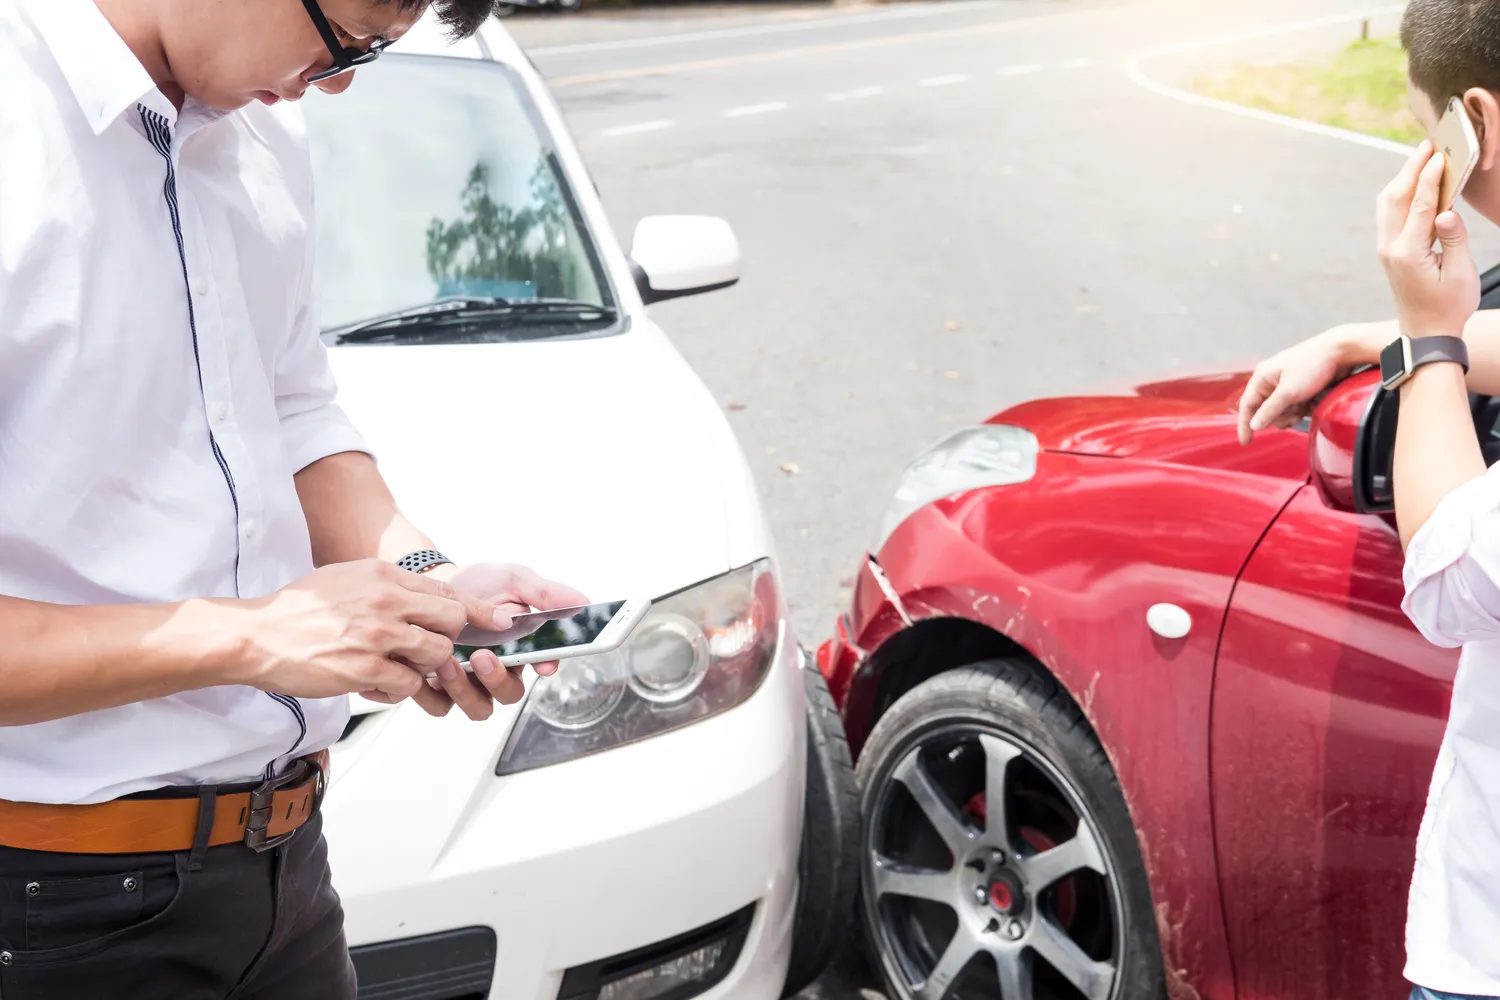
[1452, 580]
[161, 381]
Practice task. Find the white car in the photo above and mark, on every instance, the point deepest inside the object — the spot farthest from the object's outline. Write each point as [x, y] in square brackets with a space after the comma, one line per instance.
[634, 830]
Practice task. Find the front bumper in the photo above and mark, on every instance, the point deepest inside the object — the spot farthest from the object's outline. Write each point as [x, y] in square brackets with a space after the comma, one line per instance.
[574, 863]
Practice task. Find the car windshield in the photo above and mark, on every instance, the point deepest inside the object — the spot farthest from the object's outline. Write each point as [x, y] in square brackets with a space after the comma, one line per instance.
[436, 181]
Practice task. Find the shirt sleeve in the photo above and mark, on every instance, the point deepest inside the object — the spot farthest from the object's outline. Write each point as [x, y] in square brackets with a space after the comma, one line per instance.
[1452, 571]
[312, 424]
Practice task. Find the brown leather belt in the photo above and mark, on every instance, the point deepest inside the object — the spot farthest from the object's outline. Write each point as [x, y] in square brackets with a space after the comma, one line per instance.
[261, 818]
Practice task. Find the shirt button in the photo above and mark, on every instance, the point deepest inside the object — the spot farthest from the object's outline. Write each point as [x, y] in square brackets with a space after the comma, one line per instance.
[248, 528]
[201, 287]
[221, 412]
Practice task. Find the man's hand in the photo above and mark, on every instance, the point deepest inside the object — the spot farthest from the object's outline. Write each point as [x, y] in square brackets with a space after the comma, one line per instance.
[516, 590]
[364, 627]
[1281, 389]
[1436, 293]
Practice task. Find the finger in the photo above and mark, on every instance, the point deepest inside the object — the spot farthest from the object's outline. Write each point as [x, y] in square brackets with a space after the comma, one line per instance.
[435, 702]
[545, 669]
[435, 614]
[1274, 406]
[470, 697]
[1395, 199]
[1261, 385]
[545, 594]
[1292, 415]
[481, 613]
[421, 648]
[394, 681]
[503, 685]
[1452, 233]
[1421, 217]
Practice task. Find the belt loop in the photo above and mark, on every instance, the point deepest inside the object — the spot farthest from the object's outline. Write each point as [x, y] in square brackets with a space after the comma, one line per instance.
[208, 797]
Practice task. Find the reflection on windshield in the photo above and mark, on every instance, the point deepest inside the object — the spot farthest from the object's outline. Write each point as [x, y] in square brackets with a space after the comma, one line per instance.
[495, 248]
[433, 181]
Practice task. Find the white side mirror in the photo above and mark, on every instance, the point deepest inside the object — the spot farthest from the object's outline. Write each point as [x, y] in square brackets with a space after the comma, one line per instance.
[677, 255]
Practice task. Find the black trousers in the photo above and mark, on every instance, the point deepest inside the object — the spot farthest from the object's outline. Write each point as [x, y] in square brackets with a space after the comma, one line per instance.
[212, 924]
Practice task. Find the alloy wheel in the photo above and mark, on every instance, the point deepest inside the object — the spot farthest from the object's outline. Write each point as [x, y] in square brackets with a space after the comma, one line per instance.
[985, 876]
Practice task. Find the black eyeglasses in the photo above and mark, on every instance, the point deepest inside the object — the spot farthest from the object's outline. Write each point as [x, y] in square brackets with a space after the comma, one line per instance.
[345, 57]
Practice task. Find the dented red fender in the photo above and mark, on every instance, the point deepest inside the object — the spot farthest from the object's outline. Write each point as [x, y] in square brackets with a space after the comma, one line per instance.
[1066, 565]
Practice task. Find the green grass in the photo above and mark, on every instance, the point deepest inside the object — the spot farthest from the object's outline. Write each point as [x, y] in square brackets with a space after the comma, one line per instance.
[1362, 88]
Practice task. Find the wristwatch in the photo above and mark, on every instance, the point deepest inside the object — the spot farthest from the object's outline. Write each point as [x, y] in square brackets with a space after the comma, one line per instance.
[1403, 356]
[421, 562]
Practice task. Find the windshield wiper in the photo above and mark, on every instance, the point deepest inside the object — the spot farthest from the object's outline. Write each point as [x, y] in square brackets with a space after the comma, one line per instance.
[462, 310]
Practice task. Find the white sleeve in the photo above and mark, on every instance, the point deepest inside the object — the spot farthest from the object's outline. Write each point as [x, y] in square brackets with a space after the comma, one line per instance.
[312, 424]
[1452, 571]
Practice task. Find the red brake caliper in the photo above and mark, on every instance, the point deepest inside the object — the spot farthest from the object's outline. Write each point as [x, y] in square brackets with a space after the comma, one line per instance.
[1065, 892]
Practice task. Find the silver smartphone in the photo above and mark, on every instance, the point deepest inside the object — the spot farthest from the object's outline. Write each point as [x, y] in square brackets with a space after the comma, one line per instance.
[542, 636]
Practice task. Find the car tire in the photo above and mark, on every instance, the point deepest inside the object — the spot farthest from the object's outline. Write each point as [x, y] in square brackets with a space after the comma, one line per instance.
[828, 867]
[1006, 712]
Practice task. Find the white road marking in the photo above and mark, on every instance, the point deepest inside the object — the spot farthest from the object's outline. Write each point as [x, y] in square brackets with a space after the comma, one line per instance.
[1074, 64]
[1137, 75]
[943, 81]
[755, 109]
[854, 95]
[651, 126]
[832, 21]
[1020, 70]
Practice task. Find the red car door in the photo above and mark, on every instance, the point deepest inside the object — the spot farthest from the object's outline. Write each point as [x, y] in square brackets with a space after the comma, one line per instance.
[1327, 714]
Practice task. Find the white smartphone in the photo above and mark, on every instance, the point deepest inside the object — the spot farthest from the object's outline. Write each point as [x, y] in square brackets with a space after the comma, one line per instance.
[543, 636]
[1456, 139]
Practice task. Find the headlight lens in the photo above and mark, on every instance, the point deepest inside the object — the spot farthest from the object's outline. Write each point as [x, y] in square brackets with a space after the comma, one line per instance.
[973, 458]
[697, 653]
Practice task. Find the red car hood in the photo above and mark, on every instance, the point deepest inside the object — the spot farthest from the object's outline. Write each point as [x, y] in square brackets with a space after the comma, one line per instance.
[1184, 421]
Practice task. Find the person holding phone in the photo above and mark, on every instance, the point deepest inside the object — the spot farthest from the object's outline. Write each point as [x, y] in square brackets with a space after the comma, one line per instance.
[199, 560]
[1447, 504]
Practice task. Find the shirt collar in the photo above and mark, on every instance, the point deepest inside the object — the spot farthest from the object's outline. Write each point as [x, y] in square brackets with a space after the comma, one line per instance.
[105, 76]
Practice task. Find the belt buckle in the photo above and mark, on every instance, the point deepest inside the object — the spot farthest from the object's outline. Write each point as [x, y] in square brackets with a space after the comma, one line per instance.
[258, 825]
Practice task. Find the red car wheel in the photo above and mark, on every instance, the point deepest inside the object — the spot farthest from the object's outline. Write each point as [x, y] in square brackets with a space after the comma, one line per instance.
[998, 858]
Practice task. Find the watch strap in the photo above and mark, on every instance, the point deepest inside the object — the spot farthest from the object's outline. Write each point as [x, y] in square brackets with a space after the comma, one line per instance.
[1426, 350]
[423, 560]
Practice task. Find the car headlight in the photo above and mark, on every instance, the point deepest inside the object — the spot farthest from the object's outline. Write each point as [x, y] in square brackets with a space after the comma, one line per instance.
[973, 458]
[698, 652]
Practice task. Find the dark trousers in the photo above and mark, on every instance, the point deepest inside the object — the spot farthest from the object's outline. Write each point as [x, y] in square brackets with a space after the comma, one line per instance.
[212, 924]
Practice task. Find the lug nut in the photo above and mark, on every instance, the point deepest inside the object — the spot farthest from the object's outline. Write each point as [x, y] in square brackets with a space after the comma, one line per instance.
[1014, 930]
[980, 896]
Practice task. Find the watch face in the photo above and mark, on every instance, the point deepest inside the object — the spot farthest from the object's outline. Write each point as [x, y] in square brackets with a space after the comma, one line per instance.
[1393, 361]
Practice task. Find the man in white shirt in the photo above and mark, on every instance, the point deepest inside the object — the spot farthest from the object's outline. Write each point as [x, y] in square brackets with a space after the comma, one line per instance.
[172, 470]
[1447, 504]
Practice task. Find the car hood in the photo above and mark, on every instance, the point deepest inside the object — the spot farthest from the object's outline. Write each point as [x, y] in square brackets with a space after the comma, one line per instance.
[593, 461]
[1189, 420]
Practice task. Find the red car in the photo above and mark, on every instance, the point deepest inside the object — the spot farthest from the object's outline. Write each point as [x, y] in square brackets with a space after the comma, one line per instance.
[1136, 710]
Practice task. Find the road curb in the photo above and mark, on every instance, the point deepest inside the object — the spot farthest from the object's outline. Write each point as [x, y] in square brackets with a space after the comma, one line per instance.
[1134, 71]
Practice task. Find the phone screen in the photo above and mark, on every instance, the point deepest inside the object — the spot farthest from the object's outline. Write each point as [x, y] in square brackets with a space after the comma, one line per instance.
[541, 631]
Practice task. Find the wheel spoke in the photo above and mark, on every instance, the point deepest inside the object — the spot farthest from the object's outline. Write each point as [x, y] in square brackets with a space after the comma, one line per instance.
[998, 754]
[1081, 851]
[943, 975]
[1092, 979]
[893, 879]
[935, 806]
[1014, 970]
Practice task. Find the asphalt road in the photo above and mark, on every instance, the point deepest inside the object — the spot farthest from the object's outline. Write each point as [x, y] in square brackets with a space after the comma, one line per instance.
[948, 208]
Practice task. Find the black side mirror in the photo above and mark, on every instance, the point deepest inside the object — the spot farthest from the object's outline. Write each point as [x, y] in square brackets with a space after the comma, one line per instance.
[1375, 443]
